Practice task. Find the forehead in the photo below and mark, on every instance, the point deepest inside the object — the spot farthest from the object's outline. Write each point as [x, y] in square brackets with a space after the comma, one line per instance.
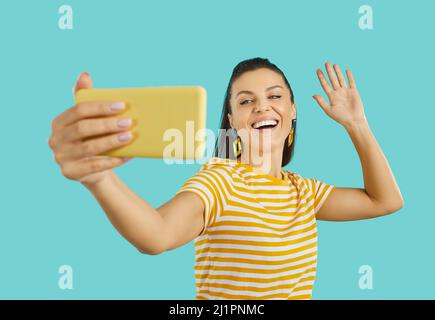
[257, 80]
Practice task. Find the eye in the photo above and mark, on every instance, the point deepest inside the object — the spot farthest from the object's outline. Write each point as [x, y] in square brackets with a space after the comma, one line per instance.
[245, 101]
[276, 96]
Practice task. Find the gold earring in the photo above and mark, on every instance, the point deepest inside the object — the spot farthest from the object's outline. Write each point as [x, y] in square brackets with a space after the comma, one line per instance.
[237, 147]
[290, 136]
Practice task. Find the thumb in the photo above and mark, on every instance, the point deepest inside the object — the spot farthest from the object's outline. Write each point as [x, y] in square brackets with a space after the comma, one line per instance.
[322, 103]
[84, 81]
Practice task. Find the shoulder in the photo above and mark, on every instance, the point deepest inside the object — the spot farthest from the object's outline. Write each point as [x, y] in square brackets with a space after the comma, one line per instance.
[311, 185]
[216, 161]
[219, 164]
[303, 184]
[294, 177]
[214, 171]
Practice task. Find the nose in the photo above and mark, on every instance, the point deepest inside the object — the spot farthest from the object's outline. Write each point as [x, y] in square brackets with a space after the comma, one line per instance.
[262, 106]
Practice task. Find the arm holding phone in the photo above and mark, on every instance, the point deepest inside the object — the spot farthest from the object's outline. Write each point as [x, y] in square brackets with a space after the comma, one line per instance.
[87, 129]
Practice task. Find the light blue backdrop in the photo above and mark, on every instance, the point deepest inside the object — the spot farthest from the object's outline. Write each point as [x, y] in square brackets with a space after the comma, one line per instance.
[48, 221]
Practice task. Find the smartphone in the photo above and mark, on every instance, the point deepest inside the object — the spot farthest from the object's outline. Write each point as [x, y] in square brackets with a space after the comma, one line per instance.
[168, 122]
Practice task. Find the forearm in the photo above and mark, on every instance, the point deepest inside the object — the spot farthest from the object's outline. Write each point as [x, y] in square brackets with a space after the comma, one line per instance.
[134, 218]
[379, 181]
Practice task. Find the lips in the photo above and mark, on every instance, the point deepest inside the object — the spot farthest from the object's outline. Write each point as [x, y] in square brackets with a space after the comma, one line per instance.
[262, 124]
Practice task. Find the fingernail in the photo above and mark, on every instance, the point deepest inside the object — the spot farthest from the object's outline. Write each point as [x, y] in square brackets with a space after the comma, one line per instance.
[125, 136]
[117, 106]
[124, 123]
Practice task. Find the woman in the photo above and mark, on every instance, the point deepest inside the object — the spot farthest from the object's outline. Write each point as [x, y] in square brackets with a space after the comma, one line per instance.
[254, 224]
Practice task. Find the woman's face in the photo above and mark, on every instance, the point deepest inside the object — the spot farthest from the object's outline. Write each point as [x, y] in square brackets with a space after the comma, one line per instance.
[261, 105]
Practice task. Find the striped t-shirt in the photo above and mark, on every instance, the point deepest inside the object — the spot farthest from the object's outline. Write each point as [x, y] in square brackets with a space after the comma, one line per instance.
[260, 235]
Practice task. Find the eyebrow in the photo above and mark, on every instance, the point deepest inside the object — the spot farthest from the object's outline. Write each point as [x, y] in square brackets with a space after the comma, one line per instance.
[250, 92]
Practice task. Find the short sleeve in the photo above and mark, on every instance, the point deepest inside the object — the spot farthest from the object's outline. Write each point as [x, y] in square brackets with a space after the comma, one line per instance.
[204, 184]
[320, 190]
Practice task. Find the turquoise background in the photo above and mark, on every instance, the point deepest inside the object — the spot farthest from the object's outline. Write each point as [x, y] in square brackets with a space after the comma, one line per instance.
[47, 220]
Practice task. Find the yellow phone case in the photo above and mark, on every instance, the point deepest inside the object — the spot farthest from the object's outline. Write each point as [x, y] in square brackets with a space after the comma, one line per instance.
[164, 119]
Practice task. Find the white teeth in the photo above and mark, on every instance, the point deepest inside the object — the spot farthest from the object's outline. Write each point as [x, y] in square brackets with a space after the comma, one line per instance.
[264, 123]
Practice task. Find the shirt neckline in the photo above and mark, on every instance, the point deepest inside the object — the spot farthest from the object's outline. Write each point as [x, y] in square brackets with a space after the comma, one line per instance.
[284, 173]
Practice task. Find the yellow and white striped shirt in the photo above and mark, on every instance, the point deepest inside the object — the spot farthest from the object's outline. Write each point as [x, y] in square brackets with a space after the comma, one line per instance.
[260, 235]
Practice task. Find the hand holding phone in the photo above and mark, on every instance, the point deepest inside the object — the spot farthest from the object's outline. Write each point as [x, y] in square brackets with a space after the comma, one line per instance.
[84, 131]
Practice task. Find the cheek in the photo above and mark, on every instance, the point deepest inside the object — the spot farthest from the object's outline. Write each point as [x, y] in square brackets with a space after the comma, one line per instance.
[241, 119]
[286, 117]
[284, 110]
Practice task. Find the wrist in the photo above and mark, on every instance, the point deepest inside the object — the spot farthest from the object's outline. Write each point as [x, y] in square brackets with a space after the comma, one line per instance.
[98, 184]
[356, 125]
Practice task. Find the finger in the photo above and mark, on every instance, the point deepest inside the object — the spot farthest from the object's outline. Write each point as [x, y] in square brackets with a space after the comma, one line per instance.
[96, 146]
[88, 110]
[93, 127]
[322, 103]
[341, 79]
[351, 79]
[82, 168]
[323, 82]
[84, 81]
[332, 76]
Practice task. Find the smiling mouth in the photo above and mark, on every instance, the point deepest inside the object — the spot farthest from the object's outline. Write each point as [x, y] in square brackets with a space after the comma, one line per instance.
[265, 125]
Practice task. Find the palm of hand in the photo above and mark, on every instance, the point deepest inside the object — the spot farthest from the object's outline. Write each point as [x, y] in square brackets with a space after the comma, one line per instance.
[345, 105]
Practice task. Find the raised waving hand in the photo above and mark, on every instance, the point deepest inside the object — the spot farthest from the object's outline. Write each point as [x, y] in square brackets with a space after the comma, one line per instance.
[345, 105]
